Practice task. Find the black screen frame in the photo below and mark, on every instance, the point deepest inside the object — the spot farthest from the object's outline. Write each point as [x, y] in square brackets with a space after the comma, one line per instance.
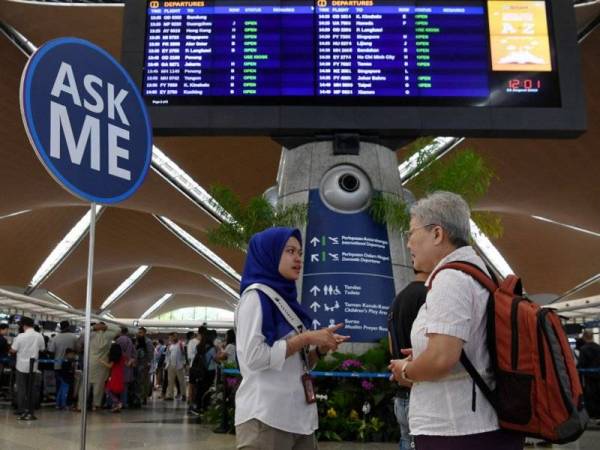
[566, 121]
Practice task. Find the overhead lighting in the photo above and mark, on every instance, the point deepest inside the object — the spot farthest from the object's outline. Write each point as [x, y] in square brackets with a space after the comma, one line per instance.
[570, 227]
[124, 286]
[181, 179]
[59, 300]
[199, 247]
[62, 250]
[490, 251]
[18, 213]
[438, 148]
[224, 287]
[161, 301]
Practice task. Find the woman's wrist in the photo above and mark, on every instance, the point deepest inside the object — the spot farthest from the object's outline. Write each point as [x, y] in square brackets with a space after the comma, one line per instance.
[296, 343]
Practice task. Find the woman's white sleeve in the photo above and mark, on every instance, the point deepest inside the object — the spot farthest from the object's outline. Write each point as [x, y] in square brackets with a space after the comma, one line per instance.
[252, 350]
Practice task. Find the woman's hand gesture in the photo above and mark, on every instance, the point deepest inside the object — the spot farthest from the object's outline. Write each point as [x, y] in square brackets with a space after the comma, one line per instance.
[326, 338]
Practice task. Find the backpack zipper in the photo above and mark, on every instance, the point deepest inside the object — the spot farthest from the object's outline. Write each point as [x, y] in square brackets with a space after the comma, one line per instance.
[514, 315]
[540, 339]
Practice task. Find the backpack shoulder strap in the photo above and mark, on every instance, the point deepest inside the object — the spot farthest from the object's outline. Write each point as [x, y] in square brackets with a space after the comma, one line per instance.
[470, 269]
[491, 284]
[285, 309]
[479, 381]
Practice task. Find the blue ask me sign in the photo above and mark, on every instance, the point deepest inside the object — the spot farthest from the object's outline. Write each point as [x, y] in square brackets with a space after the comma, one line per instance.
[348, 273]
[86, 120]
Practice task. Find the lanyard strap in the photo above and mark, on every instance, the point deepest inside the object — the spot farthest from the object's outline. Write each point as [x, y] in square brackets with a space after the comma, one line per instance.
[287, 312]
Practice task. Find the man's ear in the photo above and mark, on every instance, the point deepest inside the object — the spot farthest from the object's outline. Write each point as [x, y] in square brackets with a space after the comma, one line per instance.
[438, 235]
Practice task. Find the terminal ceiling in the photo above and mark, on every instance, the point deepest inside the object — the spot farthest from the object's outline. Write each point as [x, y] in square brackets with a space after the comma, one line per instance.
[552, 179]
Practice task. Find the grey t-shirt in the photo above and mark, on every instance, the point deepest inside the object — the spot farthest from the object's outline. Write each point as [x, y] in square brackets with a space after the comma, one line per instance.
[59, 345]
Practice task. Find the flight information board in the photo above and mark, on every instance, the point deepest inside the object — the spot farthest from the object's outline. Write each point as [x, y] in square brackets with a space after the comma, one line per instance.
[350, 52]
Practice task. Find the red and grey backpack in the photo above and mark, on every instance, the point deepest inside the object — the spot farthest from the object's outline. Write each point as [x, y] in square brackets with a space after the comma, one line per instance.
[538, 391]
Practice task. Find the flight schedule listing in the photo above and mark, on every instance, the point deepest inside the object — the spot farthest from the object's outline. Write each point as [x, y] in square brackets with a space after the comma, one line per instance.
[322, 48]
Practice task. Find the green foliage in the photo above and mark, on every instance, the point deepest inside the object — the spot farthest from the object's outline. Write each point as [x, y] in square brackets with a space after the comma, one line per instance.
[489, 223]
[341, 400]
[257, 215]
[464, 172]
[389, 210]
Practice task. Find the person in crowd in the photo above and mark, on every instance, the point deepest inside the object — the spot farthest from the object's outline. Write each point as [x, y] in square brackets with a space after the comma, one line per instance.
[208, 350]
[66, 377]
[274, 403]
[175, 365]
[446, 411]
[227, 355]
[4, 347]
[37, 329]
[191, 348]
[115, 385]
[144, 356]
[100, 341]
[129, 353]
[159, 363]
[4, 351]
[58, 347]
[402, 314]
[27, 346]
[589, 358]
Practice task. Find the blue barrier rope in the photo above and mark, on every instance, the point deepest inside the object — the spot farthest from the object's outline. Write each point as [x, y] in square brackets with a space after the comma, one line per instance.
[315, 373]
[385, 375]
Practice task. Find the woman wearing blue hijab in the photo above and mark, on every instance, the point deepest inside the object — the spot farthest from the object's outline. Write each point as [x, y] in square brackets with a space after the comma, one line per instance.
[272, 411]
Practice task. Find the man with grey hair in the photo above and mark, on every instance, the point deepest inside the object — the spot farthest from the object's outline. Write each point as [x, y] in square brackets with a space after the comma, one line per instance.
[446, 412]
[449, 211]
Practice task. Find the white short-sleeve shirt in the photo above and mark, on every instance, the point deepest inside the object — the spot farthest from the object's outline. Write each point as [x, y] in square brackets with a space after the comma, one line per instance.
[28, 345]
[271, 389]
[455, 306]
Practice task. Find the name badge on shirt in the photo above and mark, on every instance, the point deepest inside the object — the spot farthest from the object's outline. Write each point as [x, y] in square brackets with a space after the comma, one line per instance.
[309, 389]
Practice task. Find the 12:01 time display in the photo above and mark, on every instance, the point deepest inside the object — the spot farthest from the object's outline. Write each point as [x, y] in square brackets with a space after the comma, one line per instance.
[524, 85]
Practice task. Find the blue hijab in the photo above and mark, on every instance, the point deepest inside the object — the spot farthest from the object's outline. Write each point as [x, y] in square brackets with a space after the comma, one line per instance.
[262, 266]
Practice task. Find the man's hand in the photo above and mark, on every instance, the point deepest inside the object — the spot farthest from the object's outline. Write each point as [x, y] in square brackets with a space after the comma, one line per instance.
[395, 367]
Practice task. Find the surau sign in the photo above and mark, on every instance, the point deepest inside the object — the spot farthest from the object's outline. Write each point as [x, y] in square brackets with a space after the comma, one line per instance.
[86, 120]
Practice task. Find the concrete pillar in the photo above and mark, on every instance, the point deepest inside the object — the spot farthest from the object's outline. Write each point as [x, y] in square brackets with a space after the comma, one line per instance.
[303, 168]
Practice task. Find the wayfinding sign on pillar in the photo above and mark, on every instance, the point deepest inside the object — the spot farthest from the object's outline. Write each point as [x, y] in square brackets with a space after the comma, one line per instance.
[347, 271]
[88, 125]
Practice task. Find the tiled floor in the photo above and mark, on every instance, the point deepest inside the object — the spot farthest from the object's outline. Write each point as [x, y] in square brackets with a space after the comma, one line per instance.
[161, 426]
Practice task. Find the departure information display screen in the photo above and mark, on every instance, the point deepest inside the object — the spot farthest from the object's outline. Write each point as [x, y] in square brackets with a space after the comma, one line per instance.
[350, 52]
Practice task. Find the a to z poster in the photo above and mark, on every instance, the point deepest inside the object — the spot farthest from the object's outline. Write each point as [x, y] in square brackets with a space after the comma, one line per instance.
[519, 36]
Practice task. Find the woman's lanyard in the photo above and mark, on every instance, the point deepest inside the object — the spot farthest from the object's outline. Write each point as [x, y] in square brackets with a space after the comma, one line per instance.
[291, 317]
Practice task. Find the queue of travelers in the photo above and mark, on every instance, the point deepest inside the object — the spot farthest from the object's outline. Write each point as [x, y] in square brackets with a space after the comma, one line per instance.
[124, 371]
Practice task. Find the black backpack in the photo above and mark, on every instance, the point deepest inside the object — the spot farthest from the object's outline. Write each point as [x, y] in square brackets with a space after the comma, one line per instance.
[199, 368]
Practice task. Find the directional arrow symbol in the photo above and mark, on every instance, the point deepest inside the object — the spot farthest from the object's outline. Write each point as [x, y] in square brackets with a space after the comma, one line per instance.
[315, 241]
[314, 306]
[315, 324]
[314, 257]
[315, 290]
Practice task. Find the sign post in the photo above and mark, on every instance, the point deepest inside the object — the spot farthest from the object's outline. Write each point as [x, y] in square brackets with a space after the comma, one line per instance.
[88, 125]
[348, 273]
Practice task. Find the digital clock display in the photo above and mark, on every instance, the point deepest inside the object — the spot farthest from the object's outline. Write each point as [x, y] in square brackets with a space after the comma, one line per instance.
[354, 52]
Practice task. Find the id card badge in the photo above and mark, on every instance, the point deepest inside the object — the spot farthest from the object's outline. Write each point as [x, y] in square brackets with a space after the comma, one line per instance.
[309, 389]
